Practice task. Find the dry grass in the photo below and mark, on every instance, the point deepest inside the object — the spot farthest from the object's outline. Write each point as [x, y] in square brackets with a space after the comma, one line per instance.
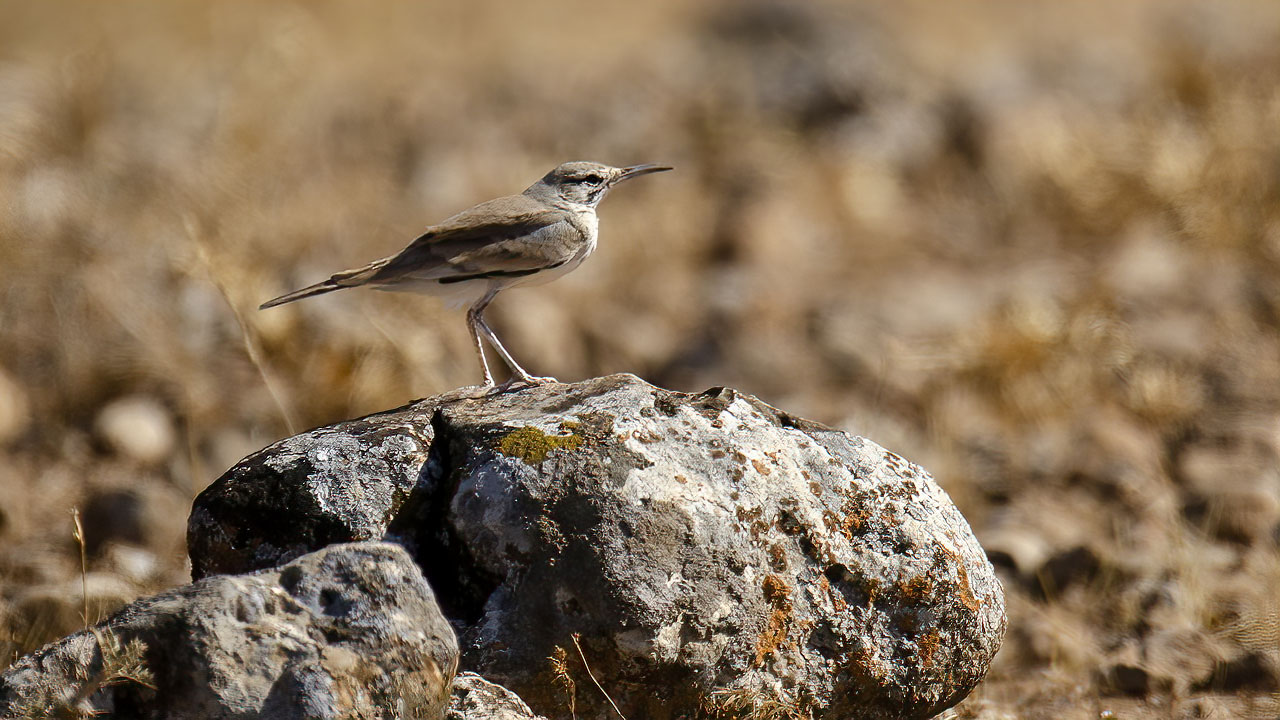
[1036, 249]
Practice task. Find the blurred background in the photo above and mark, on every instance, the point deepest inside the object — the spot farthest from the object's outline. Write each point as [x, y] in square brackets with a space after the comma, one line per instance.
[1032, 247]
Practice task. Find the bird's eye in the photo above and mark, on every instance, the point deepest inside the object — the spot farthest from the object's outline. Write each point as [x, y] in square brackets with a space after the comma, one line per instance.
[591, 180]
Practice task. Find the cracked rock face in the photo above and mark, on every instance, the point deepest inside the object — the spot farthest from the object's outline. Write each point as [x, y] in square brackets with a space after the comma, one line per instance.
[712, 554]
[349, 631]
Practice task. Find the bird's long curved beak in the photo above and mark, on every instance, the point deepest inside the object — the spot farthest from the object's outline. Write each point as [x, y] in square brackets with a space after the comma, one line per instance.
[638, 170]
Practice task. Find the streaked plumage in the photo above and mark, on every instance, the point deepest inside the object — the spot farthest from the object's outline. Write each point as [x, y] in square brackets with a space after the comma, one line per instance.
[525, 239]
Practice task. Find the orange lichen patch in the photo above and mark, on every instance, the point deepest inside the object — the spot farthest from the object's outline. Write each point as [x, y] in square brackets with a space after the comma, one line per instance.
[894, 461]
[778, 592]
[777, 557]
[761, 467]
[963, 589]
[754, 520]
[928, 644]
[967, 598]
[774, 634]
[853, 516]
[871, 586]
[918, 587]
[864, 671]
[681, 479]
[856, 516]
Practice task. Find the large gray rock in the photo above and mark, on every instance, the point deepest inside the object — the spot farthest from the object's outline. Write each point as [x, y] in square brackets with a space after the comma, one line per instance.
[349, 631]
[712, 552]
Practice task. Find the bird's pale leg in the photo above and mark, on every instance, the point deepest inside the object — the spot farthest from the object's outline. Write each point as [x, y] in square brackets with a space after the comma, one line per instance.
[475, 318]
[484, 362]
[518, 373]
[473, 324]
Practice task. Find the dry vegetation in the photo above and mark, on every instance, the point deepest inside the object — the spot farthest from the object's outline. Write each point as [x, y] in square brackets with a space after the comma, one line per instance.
[1035, 249]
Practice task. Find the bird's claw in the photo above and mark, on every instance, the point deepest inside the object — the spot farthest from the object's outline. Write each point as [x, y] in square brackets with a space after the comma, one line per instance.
[519, 383]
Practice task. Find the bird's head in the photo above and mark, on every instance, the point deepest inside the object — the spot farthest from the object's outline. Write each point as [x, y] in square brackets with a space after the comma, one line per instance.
[586, 183]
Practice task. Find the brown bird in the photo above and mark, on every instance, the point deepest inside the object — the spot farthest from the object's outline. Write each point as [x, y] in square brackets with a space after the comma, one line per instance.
[527, 239]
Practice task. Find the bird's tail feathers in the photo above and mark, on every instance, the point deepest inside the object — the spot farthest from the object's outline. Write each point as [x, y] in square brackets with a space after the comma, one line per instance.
[344, 279]
[319, 288]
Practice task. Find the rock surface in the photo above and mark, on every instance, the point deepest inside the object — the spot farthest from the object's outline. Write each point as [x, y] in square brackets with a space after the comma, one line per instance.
[349, 631]
[338, 484]
[712, 553]
[475, 698]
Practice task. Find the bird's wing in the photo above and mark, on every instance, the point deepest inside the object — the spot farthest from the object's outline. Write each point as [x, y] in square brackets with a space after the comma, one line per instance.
[510, 236]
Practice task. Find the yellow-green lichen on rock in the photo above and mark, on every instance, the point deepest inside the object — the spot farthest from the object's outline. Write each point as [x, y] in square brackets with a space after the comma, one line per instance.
[533, 445]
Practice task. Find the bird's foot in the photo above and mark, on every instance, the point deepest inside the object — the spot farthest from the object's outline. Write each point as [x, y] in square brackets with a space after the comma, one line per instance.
[520, 383]
[471, 392]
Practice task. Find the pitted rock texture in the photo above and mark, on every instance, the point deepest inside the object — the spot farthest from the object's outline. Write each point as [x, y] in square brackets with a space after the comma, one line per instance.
[348, 631]
[714, 554]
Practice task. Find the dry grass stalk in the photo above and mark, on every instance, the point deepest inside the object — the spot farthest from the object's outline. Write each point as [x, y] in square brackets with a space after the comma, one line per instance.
[560, 671]
[744, 704]
[78, 533]
[593, 677]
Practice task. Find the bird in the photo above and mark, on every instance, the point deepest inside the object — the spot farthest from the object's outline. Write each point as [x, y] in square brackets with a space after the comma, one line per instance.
[518, 240]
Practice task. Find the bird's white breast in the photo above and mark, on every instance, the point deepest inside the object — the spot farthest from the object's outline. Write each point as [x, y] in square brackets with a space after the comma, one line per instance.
[590, 226]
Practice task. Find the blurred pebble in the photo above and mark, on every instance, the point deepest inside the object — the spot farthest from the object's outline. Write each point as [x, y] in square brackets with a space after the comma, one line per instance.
[1247, 673]
[1182, 656]
[1235, 495]
[27, 565]
[1150, 267]
[14, 409]
[114, 516]
[1069, 567]
[137, 427]
[1210, 469]
[1021, 550]
[1124, 674]
[1244, 516]
[136, 564]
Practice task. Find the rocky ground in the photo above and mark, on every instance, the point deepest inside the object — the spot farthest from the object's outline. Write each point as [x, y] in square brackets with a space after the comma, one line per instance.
[1034, 250]
[687, 555]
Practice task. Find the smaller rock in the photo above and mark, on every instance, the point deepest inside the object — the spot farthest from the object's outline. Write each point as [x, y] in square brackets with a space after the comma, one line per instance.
[137, 427]
[348, 631]
[475, 698]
